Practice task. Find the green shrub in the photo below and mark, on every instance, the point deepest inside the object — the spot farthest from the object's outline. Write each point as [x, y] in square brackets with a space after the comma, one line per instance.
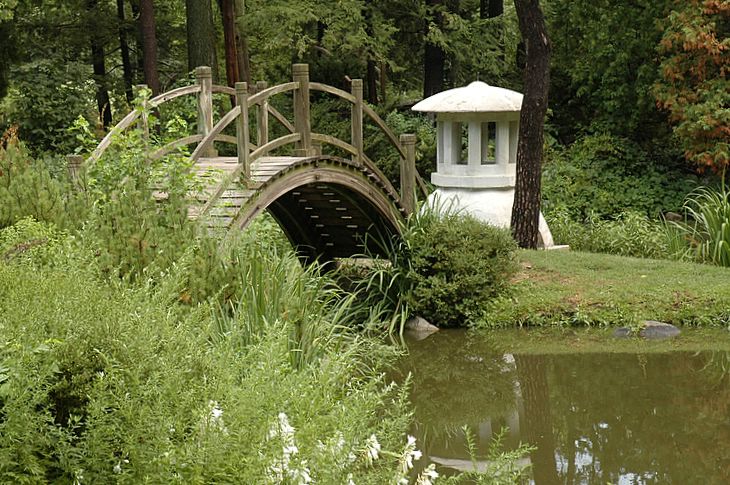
[456, 265]
[27, 189]
[604, 175]
[629, 234]
[444, 267]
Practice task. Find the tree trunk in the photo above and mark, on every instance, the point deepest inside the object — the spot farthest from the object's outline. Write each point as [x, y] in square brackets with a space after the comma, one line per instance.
[124, 51]
[372, 82]
[489, 9]
[139, 41]
[434, 57]
[98, 64]
[149, 46]
[244, 66]
[201, 35]
[228, 17]
[526, 208]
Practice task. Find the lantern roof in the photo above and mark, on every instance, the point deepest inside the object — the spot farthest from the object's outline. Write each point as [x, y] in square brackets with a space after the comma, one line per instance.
[477, 97]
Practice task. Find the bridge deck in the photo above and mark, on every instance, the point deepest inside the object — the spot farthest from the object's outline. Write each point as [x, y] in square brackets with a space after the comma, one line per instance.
[212, 172]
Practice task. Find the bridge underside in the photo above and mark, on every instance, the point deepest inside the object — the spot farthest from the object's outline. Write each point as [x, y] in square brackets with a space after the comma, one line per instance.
[327, 206]
[327, 221]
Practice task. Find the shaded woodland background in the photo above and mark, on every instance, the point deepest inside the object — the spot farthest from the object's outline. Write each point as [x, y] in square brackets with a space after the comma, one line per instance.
[649, 76]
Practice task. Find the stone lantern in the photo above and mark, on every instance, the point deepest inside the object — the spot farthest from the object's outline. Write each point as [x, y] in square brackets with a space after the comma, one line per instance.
[476, 151]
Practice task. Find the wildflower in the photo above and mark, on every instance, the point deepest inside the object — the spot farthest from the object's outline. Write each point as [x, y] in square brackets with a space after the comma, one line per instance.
[372, 448]
[427, 476]
[410, 454]
[215, 418]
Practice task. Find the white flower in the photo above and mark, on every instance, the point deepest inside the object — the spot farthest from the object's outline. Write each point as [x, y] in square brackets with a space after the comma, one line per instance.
[300, 475]
[372, 448]
[215, 418]
[117, 468]
[410, 454]
[427, 476]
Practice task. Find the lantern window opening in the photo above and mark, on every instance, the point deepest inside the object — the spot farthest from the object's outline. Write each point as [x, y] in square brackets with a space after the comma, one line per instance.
[488, 140]
[463, 157]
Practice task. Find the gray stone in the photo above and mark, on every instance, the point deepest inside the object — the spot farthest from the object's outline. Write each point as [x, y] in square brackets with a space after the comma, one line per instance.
[658, 330]
[419, 328]
[622, 332]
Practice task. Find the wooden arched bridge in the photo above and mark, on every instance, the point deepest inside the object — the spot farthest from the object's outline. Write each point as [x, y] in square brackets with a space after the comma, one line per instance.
[325, 204]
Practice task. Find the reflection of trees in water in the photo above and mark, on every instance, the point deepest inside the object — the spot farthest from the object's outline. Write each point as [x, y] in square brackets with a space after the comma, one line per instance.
[458, 381]
[537, 423]
[658, 416]
[663, 418]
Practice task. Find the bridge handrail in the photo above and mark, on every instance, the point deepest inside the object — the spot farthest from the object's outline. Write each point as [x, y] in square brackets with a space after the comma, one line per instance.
[217, 129]
[203, 85]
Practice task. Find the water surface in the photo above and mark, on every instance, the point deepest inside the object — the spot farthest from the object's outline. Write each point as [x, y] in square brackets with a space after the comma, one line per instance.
[620, 413]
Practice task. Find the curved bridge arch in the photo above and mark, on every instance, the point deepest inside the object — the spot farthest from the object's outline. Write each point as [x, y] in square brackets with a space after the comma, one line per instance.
[327, 207]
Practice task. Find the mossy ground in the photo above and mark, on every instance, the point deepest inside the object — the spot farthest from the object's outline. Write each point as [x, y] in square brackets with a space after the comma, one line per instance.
[570, 288]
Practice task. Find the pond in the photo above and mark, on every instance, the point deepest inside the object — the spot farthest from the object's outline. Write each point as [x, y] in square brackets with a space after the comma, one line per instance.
[599, 410]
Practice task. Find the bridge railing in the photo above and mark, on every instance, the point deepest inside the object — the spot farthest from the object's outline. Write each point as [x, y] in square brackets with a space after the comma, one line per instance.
[299, 132]
[203, 89]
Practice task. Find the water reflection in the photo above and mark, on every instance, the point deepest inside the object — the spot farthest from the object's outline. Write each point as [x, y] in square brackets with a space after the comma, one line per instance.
[595, 418]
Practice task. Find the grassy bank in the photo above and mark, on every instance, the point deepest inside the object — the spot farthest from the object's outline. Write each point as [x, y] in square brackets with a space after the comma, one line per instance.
[569, 288]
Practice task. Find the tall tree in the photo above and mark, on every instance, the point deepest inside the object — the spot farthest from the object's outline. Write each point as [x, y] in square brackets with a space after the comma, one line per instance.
[98, 62]
[434, 57]
[149, 46]
[228, 17]
[201, 35]
[489, 9]
[124, 51]
[694, 87]
[243, 63]
[526, 208]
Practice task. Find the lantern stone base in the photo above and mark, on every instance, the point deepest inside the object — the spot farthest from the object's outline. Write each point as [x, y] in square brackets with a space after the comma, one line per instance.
[491, 205]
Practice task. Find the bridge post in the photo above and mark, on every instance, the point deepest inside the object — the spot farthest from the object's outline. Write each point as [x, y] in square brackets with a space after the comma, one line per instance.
[356, 133]
[408, 173]
[204, 78]
[302, 122]
[73, 165]
[262, 117]
[143, 123]
[242, 134]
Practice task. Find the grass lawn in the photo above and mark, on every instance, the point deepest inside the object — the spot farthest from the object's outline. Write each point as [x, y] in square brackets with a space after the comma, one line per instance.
[570, 288]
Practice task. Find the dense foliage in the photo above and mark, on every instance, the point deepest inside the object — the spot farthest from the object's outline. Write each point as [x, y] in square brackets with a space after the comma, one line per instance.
[457, 264]
[694, 86]
[603, 175]
[91, 377]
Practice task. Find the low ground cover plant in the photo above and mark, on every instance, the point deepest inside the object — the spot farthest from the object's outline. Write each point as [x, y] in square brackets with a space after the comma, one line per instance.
[628, 234]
